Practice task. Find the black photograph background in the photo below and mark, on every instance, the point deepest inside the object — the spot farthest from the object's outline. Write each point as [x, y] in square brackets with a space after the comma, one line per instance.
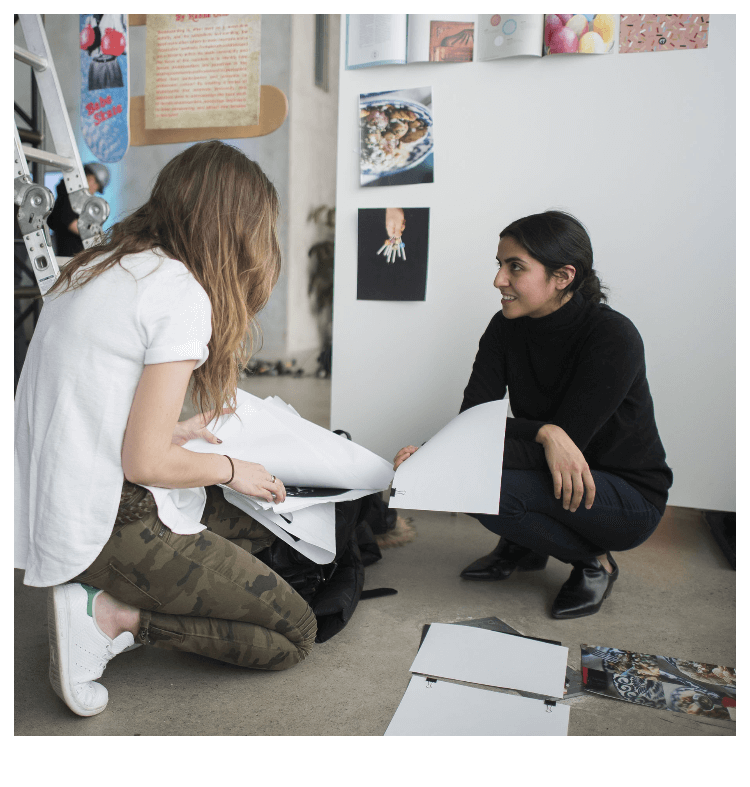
[388, 277]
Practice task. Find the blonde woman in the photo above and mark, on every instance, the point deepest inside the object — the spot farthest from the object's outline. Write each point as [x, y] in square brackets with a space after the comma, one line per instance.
[167, 298]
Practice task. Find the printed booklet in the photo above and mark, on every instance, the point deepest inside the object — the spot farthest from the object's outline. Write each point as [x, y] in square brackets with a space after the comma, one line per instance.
[663, 682]
[386, 39]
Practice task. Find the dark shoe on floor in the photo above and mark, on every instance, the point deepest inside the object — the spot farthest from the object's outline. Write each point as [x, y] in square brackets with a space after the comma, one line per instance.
[502, 561]
[585, 590]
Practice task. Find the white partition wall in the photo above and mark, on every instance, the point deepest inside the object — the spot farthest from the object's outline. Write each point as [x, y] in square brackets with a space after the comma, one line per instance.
[641, 148]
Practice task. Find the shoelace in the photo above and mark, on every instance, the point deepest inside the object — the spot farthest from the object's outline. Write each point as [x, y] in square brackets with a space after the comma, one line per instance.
[105, 659]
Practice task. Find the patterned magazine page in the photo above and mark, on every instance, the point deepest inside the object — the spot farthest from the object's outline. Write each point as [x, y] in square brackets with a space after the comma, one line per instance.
[660, 681]
[662, 32]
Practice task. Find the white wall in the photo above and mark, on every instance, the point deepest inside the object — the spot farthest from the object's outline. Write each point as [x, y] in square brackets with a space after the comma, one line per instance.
[641, 148]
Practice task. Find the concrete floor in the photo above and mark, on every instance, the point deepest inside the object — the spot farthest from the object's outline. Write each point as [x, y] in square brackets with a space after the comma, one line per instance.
[675, 597]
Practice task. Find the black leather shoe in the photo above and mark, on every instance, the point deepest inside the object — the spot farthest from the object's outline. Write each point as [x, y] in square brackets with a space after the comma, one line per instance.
[585, 590]
[502, 561]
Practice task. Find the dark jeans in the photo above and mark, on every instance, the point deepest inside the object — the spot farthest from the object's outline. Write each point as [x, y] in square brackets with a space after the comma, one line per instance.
[530, 515]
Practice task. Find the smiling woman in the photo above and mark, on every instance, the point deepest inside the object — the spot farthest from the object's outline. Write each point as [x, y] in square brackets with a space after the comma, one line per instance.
[542, 261]
[526, 286]
[584, 469]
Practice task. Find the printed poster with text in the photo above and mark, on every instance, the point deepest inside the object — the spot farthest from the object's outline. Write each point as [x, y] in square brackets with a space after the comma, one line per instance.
[202, 70]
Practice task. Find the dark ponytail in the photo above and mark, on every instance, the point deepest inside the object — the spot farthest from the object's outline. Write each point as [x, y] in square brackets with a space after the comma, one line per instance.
[592, 288]
[556, 239]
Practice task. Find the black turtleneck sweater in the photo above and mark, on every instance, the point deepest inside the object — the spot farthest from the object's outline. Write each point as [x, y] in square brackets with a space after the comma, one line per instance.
[582, 368]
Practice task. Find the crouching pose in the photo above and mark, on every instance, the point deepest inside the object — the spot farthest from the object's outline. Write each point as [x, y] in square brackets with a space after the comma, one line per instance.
[167, 298]
[584, 469]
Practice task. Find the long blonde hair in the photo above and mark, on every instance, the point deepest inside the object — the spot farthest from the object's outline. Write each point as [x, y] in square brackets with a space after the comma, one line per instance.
[214, 210]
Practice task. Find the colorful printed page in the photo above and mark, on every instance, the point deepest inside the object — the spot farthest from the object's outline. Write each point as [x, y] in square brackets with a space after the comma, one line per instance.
[662, 32]
[441, 38]
[375, 40]
[662, 682]
[588, 34]
[508, 35]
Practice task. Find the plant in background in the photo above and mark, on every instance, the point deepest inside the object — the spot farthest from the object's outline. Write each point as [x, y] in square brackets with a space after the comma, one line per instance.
[320, 288]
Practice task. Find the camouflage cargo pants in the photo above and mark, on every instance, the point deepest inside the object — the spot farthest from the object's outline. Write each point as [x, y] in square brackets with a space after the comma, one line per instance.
[206, 593]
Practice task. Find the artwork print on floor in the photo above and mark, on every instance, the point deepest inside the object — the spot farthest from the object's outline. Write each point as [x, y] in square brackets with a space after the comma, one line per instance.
[392, 250]
[662, 682]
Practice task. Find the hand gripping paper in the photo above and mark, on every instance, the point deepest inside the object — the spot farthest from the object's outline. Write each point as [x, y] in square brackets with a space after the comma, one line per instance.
[459, 469]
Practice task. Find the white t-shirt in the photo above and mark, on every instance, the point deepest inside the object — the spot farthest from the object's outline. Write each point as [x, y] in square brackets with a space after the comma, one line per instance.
[72, 405]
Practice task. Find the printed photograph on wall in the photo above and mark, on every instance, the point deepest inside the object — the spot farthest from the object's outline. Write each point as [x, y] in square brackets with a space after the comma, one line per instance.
[396, 137]
[392, 248]
[662, 32]
[587, 34]
[451, 42]
[660, 681]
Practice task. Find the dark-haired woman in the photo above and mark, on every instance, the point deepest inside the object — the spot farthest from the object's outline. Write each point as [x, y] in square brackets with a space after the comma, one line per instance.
[127, 528]
[584, 469]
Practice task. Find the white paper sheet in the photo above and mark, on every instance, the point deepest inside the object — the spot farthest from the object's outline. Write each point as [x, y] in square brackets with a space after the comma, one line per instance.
[442, 708]
[459, 469]
[297, 451]
[491, 658]
[312, 531]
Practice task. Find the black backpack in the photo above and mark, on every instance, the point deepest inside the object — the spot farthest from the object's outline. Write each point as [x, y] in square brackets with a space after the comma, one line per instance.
[334, 590]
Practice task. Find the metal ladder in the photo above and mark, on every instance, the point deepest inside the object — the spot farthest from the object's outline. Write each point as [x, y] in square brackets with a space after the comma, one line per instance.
[34, 200]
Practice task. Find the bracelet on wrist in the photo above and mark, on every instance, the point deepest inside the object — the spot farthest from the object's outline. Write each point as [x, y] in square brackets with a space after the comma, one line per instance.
[226, 483]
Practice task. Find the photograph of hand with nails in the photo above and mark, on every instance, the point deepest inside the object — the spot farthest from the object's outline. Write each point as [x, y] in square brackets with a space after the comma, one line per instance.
[392, 254]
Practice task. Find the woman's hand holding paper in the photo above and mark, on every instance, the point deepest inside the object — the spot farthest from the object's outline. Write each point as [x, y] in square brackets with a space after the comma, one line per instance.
[195, 427]
[404, 454]
[254, 480]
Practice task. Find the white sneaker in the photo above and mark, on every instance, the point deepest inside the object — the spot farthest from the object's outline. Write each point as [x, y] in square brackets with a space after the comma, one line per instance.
[78, 649]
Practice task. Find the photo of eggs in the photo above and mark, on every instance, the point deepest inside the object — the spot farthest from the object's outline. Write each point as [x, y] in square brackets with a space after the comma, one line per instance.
[588, 34]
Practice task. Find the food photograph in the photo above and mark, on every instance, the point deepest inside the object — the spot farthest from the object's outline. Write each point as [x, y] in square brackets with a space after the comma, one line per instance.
[396, 137]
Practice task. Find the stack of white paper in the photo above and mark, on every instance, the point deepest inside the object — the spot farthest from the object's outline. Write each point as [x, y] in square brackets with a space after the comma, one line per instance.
[299, 453]
[432, 706]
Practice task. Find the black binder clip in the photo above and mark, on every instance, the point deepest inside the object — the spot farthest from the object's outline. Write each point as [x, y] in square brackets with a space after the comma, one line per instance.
[395, 492]
[550, 704]
[430, 682]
